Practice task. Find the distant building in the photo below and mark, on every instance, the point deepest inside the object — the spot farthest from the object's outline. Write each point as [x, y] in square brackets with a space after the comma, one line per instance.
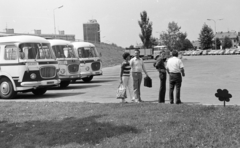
[91, 31]
[234, 36]
[61, 35]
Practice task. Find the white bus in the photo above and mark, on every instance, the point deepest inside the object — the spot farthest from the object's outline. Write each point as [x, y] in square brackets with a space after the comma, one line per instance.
[157, 50]
[67, 60]
[90, 62]
[27, 63]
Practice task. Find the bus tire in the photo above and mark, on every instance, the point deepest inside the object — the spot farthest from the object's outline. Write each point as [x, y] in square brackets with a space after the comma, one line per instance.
[39, 91]
[6, 89]
[87, 79]
[64, 84]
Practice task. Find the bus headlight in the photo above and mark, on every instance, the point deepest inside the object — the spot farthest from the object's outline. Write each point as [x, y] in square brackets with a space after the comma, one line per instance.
[33, 76]
[62, 71]
[87, 68]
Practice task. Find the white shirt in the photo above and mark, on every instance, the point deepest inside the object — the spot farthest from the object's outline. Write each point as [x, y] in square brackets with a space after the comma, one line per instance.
[136, 64]
[174, 65]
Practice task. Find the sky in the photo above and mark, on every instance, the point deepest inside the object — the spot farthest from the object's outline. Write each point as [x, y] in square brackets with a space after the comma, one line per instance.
[118, 19]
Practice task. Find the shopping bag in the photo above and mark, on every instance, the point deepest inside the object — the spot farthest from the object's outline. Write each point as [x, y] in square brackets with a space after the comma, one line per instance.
[147, 82]
[121, 92]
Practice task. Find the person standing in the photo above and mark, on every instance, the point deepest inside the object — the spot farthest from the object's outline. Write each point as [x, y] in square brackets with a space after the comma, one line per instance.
[175, 70]
[125, 75]
[160, 66]
[137, 67]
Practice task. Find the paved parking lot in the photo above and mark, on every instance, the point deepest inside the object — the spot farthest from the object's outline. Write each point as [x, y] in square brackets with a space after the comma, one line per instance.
[204, 75]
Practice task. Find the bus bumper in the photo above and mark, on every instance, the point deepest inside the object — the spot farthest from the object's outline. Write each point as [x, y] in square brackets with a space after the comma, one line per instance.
[41, 83]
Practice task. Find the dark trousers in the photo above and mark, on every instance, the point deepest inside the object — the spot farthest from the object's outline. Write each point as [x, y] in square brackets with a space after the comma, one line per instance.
[175, 79]
[162, 90]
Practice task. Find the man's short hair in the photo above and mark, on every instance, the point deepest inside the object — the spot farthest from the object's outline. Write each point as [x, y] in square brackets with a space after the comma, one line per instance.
[125, 55]
[175, 53]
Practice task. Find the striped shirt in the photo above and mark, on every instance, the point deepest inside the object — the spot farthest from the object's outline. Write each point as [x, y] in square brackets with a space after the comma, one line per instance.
[126, 68]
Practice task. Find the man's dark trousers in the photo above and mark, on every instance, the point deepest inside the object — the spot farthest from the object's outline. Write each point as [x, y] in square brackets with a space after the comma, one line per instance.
[175, 79]
[162, 90]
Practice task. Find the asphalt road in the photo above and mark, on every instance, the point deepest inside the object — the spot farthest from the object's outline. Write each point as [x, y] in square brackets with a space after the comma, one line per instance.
[204, 75]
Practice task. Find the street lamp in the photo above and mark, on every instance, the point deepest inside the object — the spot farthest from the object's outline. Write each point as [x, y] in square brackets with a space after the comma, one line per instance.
[54, 19]
[215, 30]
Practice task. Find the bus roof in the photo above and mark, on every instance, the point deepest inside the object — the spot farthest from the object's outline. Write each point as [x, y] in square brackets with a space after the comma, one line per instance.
[59, 42]
[82, 44]
[159, 46]
[23, 39]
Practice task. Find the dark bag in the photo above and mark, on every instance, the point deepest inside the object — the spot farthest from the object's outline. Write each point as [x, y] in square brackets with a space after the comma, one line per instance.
[147, 82]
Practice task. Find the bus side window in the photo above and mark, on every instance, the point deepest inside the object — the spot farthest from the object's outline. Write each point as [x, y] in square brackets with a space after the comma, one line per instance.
[10, 53]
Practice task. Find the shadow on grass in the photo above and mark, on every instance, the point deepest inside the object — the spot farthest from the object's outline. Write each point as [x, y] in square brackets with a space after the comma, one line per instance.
[53, 133]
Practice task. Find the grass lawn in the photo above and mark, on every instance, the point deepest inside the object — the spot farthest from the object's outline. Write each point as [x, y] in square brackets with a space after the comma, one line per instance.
[70, 125]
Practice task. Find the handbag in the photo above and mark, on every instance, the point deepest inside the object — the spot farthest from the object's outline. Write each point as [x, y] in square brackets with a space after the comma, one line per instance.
[121, 92]
[147, 82]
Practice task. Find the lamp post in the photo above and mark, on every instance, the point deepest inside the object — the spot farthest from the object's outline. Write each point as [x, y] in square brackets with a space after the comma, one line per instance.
[215, 30]
[54, 19]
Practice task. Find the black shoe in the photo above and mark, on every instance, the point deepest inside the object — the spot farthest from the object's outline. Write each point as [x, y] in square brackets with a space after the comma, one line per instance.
[179, 102]
[171, 102]
[161, 102]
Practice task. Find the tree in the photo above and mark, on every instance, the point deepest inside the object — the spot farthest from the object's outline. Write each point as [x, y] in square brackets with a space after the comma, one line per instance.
[182, 42]
[153, 41]
[227, 43]
[131, 46]
[206, 37]
[170, 37]
[174, 39]
[218, 42]
[146, 29]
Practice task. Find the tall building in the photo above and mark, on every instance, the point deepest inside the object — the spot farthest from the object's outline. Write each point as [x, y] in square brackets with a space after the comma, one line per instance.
[91, 31]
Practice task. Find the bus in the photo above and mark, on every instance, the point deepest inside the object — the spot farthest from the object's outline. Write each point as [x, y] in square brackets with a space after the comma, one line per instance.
[157, 50]
[90, 62]
[67, 60]
[27, 63]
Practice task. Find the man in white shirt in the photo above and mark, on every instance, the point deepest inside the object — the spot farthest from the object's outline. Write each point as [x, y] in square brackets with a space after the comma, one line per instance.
[175, 70]
[137, 66]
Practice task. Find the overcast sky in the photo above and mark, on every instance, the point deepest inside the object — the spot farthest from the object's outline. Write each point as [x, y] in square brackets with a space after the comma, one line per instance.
[118, 19]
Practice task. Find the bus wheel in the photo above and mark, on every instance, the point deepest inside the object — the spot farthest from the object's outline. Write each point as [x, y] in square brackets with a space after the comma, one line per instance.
[39, 91]
[87, 79]
[64, 84]
[6, 89]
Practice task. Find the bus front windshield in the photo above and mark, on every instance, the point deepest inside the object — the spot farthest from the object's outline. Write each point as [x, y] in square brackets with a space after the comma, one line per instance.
[35, 51]
[63, 51]
[87, 52]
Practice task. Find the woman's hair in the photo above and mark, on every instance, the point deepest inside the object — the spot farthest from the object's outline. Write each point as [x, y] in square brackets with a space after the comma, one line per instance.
[125, 55]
